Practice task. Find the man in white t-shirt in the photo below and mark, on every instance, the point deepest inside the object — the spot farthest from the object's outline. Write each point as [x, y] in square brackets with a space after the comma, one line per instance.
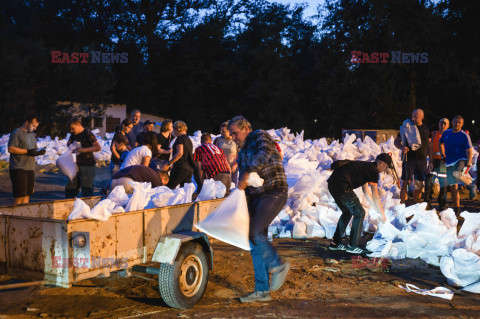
[143, 154]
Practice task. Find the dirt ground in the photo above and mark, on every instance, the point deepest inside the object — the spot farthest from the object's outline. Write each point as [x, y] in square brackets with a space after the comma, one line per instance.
[321, 284]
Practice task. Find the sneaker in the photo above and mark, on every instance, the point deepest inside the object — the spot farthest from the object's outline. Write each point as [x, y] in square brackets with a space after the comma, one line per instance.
[357, 250]
[279, 274]
[256, 296]
[334, 246]
[473, 191]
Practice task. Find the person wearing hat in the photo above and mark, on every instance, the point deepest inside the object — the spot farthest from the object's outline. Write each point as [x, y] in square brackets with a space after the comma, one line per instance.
[437, 168]
[344, 179]
[147, 127]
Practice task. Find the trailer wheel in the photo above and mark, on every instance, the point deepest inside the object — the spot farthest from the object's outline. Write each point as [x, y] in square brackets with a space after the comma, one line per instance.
[183, 283]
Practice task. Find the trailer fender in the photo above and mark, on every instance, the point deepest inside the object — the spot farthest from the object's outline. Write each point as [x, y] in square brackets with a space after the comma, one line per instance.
[168, 246]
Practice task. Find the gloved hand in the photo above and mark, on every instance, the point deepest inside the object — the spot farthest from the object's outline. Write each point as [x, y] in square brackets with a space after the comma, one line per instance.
[35, 152]
[465, 170]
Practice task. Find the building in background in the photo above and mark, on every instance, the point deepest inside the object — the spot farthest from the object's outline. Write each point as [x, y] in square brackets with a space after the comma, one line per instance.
[104, 117]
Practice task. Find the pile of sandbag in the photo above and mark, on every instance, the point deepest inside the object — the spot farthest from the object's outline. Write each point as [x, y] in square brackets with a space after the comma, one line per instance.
[143, 197]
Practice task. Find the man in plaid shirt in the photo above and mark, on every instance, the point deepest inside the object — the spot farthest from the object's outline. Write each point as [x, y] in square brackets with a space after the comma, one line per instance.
[259, 154]
[212, 162]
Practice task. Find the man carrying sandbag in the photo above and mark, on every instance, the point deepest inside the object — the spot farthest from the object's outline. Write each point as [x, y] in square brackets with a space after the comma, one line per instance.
[22, 146]
[85, 159]
[341, 183]
[259, 154]
[457, 151]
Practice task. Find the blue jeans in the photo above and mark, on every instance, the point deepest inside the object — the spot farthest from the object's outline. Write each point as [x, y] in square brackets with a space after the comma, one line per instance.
[263, 209]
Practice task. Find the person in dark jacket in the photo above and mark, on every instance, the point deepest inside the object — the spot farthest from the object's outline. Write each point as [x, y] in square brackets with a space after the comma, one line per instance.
[344, 179]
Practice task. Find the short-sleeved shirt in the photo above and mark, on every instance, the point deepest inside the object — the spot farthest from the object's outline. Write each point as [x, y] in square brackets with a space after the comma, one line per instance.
[456, 146]
[259, 154]
[132, 135]
[213, 160]
[86, 139]
[24, 140]
[136, 156]
[422, 151]
[186, 161]
[164, 143]
[140, 173]
[229, 147]
[119, 138]
[352, 175]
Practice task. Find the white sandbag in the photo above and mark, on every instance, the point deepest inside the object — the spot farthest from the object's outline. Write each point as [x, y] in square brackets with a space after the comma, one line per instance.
[177, 198]
[189, 189]
[299, 230]
[141, 196]
[80, 210]
[475, 288]
[254, 180]
[220, 189]
[208, 190]
[118, 210]
[440, 292]
[315, 231]
[67, 165]
[119, 196]
[161, 199]
[230, 221]
[102, 211]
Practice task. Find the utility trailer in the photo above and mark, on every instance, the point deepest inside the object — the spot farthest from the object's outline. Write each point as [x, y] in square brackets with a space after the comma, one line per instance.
[38, 243]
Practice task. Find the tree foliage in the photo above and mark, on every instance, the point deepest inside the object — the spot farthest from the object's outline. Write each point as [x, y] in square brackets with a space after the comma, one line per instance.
[204, 61]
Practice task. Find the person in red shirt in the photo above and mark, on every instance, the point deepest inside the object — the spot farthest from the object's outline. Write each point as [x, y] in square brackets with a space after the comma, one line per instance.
[212, 162]
[437, 168]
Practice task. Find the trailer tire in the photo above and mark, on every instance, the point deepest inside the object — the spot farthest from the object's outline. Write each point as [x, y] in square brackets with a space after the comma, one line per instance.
[182, 284]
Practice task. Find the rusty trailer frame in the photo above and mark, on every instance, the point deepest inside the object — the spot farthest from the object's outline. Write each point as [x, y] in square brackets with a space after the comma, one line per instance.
[36, 240]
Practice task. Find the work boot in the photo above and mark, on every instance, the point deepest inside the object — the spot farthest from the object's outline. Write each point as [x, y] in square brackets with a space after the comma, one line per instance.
[256, 296]
[279, 274]
[457, 210]
[429, 206]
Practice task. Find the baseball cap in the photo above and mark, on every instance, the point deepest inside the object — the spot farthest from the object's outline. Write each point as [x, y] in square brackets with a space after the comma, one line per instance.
[147, 122]
[384, 157]
[444, 120]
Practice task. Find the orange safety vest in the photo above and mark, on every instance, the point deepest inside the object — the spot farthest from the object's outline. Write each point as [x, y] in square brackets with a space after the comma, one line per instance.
[436, 145]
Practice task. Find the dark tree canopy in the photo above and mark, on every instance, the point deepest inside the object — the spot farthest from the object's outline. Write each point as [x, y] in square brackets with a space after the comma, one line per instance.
[204, 61]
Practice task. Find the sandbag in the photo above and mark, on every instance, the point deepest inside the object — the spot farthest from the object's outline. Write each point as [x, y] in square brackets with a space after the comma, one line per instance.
[102, 211]
[80, 210]
[119, 196]
[67, 165]
[141, 196]
[230, 221]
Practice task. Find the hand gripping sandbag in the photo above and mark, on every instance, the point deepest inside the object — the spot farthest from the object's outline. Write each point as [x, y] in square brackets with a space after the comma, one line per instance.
[67, 165]
[230, 221]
